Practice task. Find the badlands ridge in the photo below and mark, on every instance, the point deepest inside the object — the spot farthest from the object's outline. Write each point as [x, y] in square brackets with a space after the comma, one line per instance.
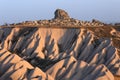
[42, 53]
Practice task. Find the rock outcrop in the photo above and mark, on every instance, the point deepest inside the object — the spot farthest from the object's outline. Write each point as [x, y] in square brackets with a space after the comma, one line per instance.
[47, 53]
[61, 14]
[61, 18]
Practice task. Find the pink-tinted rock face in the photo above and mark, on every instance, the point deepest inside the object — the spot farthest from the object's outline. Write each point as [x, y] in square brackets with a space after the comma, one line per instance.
[56, 54]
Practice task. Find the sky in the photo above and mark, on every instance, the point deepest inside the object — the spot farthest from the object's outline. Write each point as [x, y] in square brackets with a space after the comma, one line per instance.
[14, 11]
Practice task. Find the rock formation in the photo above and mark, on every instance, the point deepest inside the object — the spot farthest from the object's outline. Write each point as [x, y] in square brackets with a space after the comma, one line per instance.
[61, 18]
[59, 55]
[12, 67]
[34, 53]
[61, 14]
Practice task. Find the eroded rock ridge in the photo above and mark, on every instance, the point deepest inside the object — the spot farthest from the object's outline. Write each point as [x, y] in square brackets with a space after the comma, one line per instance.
[66, 54]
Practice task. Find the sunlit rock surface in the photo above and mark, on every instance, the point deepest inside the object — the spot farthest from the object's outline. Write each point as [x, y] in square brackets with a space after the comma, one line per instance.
[12, 67]
[62, 54]
[32, 51]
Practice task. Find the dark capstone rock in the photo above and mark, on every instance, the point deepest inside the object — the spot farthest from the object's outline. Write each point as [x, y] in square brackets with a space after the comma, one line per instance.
[61, 14]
